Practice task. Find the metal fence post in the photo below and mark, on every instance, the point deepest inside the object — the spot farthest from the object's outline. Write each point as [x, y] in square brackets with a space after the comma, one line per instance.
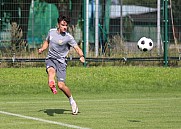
[165, 32]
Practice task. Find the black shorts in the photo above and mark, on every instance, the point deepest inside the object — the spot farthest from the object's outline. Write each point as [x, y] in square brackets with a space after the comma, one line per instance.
[59, 67]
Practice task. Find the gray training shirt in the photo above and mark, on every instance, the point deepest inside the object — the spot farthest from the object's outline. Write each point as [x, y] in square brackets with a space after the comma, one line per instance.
[59, 45]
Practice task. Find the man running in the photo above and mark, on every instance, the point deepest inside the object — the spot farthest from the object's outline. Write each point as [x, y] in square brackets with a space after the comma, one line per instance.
[59, 42]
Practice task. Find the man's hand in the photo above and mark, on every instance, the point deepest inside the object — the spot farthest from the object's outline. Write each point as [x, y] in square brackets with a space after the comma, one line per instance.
[82, 59]
[40, 51]
[44, 47]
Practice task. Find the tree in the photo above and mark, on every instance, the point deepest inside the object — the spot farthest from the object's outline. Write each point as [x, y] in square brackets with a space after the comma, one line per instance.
[176, 5]
[19, 11]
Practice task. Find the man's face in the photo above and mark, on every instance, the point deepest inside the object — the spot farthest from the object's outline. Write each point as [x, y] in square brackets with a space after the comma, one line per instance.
[63, 26]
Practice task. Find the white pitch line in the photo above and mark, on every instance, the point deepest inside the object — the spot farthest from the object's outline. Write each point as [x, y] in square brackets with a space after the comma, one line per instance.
[103, 100]
[42, 120]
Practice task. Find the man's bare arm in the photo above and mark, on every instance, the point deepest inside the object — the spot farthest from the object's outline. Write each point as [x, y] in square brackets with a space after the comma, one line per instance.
[80, 53]
[44, 47]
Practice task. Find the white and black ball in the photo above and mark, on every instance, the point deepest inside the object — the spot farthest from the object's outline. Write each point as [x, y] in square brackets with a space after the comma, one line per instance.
[145, 44]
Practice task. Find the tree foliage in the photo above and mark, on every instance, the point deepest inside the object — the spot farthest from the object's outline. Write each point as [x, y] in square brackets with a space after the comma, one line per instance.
[19, 10]
[176, 6]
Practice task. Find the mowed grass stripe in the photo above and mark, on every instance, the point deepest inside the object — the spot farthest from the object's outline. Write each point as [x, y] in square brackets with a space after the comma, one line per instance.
[42, 120]
[142, 113]
[97, 100]
[108, 98]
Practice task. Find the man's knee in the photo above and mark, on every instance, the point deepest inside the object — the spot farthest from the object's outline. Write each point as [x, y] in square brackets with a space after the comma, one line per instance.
[51, 70]
[61, 85]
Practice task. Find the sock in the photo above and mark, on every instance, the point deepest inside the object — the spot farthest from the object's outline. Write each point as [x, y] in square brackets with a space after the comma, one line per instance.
[71, 100]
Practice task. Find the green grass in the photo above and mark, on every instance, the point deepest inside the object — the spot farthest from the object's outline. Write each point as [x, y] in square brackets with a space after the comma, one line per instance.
[108, 98]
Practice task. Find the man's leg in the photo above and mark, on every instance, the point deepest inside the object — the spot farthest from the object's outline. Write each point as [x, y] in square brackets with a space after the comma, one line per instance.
[67, 92]
[51, 79]
[64, 88]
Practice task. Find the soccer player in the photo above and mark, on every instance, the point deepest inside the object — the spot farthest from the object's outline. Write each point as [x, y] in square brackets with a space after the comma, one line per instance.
[59, 41]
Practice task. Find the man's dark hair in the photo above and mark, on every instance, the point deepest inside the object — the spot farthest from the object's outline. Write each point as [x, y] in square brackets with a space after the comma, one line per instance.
[63, 18]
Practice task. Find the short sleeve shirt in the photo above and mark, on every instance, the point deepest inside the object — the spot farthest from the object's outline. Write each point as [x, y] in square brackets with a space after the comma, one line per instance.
[59, 45]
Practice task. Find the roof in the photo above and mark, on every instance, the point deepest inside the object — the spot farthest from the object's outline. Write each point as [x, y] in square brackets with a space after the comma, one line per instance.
[115, 10]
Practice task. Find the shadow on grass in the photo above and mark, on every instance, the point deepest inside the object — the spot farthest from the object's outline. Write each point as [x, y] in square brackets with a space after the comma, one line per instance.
[51, 112]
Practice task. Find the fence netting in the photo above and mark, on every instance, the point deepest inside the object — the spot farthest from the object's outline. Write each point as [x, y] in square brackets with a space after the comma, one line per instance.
[121, 23]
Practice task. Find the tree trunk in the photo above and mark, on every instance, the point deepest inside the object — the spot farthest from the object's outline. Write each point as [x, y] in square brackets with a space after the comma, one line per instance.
[25, 11]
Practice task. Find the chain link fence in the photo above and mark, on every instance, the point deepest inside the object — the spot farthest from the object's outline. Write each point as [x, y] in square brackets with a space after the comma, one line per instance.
[114, 28]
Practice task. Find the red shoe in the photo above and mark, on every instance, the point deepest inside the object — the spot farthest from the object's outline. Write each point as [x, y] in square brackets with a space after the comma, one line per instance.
[52, 87]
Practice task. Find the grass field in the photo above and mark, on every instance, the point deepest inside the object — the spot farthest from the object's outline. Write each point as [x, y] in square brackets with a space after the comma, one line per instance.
[108, 98]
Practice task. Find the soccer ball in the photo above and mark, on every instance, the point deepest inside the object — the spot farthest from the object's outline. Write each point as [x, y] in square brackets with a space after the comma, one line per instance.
[145, 44]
